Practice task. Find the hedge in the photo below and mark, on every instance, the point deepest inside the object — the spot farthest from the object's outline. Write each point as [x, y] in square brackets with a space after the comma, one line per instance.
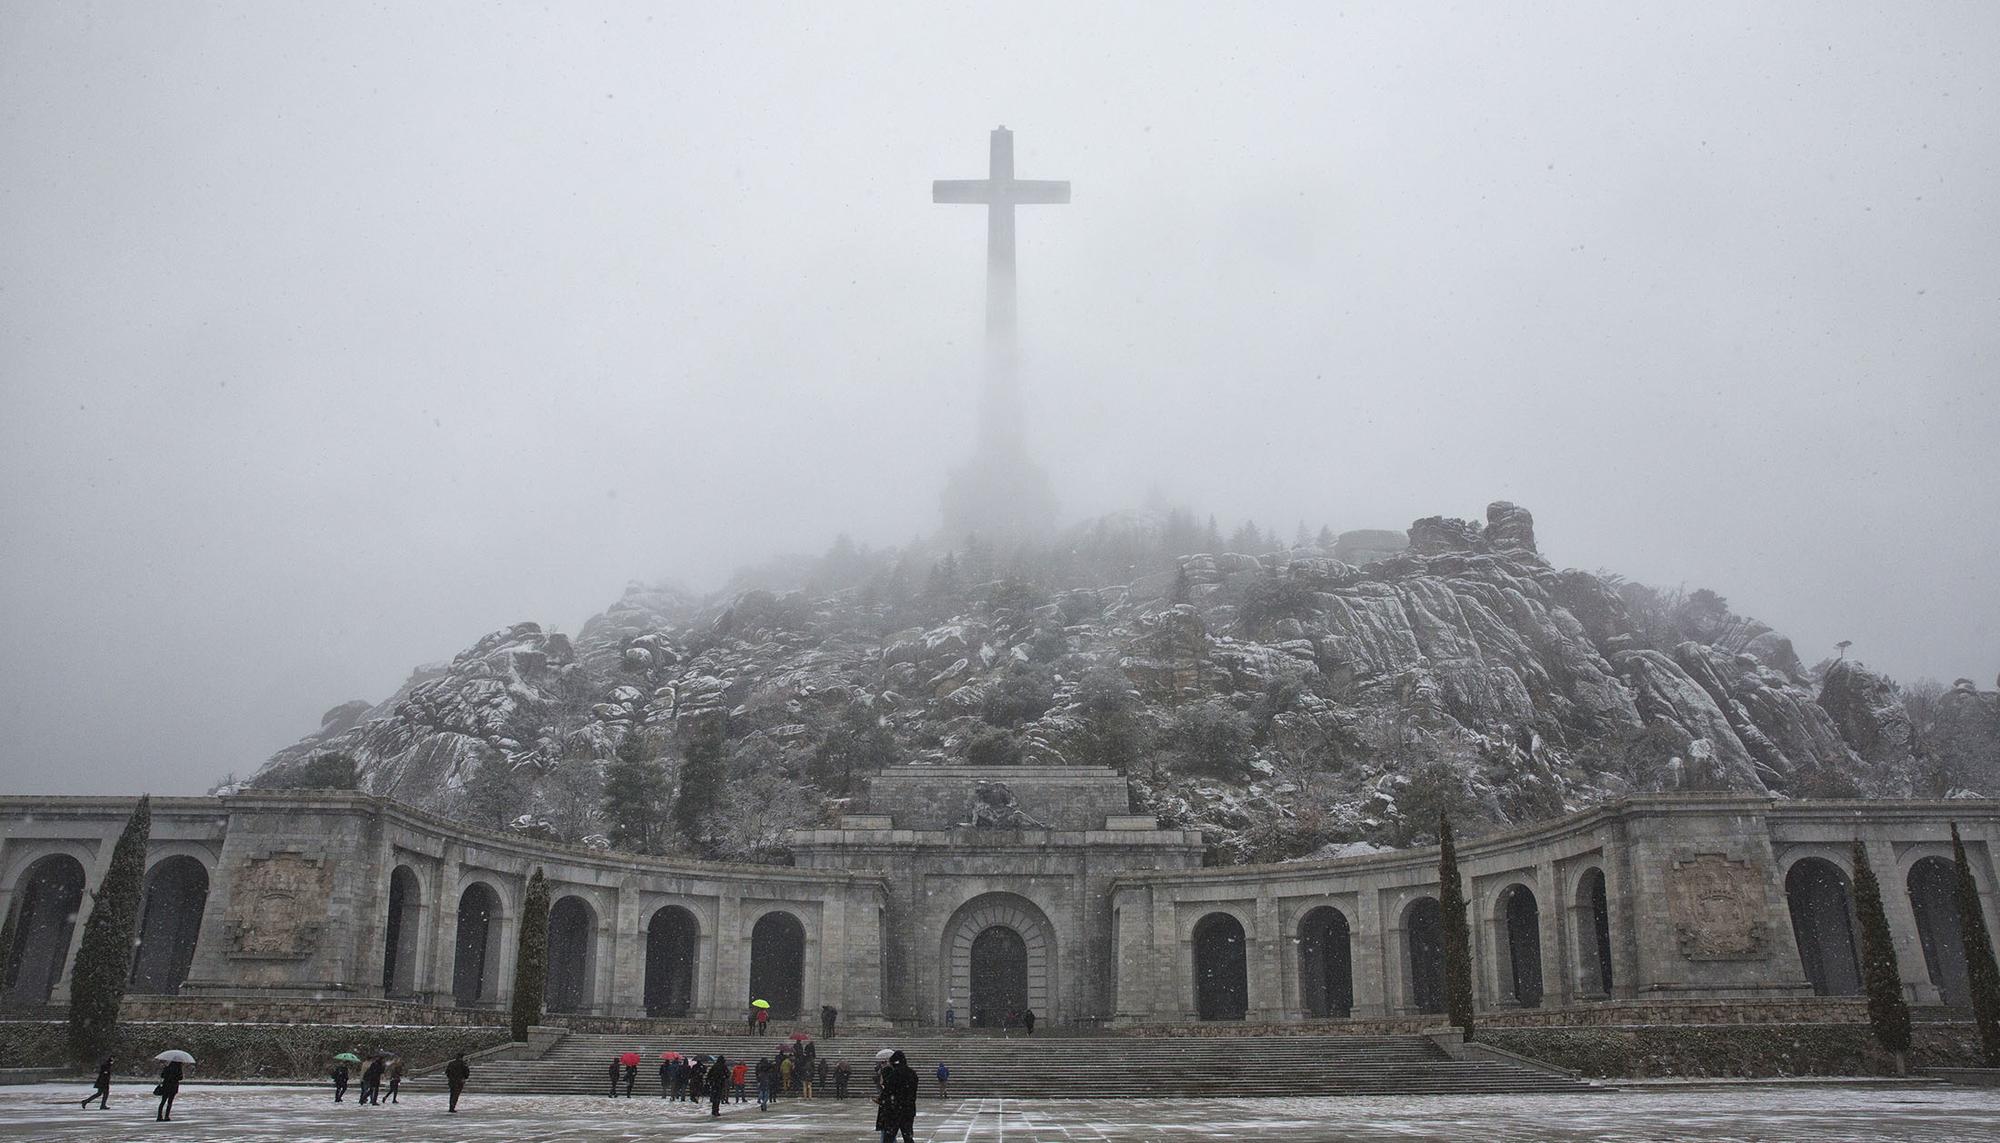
[244, 1051]
[1735, 1050]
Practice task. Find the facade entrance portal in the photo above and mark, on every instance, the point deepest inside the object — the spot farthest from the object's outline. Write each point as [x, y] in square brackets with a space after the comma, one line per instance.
[999, 977]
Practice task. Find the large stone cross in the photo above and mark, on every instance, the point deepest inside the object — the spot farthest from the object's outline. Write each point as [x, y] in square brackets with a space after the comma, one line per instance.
[1000, 192]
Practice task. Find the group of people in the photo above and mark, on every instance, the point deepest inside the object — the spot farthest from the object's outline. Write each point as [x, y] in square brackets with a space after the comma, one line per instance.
[1025, 1018]
[168, 1088]
[380, 1066]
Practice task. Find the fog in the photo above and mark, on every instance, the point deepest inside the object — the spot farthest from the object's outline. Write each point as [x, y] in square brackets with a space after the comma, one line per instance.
[333, 338]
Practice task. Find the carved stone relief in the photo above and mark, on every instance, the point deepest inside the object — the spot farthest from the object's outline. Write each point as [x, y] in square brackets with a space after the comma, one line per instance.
[1718, 908]
[277, 906]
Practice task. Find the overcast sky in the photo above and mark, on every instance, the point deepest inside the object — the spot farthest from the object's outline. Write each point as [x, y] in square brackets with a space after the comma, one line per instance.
[332, 337]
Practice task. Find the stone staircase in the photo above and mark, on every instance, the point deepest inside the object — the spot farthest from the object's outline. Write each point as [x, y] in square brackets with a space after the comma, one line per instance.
[1060, 1066]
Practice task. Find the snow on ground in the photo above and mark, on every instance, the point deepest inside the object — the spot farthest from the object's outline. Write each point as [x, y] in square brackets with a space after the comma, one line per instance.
[1747, 1112]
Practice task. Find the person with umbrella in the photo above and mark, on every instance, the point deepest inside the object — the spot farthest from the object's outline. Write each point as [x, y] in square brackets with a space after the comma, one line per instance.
[631, 1062]
[101, 1090]
[170, 1082]
[896, 1107]
[666, 1073]
[762, 1016]
[455, 1074]
[718, 1085]
[339, 1074]
[371, 1080]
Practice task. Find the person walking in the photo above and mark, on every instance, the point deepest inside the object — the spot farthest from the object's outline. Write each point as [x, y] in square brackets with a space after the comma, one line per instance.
[170, 1086]
[785, 1074]
[681, 1070]
[841, 1074]
[764, 1083]
[763, 1019]
[943, 1077]
[631, 1077]
[896, 1107]
[739, 1077]
[395, 1078]
[805, 1073]
[371, 1081]
[819, 1070]
[718, 1086]
[697, 1072]
[101, 1089]
[614, 1077]
[1028, 1020]
[339, 1077]
[455, 1074]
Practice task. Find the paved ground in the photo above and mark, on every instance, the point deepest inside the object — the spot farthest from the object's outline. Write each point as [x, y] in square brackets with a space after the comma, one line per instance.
[1751, 1112]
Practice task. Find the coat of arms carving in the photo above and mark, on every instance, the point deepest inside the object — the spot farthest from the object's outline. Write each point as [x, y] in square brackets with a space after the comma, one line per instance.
[1718, 908]
[277, 906]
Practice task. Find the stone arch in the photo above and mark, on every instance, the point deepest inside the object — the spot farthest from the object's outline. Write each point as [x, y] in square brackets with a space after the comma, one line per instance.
[1593, 935]
[1518, 924]
[1423, 940]
[399, 932]
[1933, 885]
[475, 973]
[1326, 963]
[1221, 968]
[572, 969]
[1035, 956]
[49, 895]
[673, 944]
[170, 912]
[1816, 891]
[778, 963]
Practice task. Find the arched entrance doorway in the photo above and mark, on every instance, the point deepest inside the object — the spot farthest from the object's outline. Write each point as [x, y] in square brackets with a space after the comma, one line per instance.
[1326, 966]
[399, 933]
[169, 924]
[1823, 926]
[1521, 928]
[475, 972]
[1423, 933]
[778, 963]
[572, 941]
[1221, 968]
[1014, 969]
[999, 990]
[50, 892]
[1594, 936]
[1933, 884]
[673, 938]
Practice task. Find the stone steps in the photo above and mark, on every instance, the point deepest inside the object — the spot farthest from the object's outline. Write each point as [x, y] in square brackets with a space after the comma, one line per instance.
[1062, 1066]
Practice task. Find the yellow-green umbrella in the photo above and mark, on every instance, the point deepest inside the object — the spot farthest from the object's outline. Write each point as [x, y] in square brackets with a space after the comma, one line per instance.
[760, 1004]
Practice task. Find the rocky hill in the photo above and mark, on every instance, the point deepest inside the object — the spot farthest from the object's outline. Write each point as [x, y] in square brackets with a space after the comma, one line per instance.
[1334, 694]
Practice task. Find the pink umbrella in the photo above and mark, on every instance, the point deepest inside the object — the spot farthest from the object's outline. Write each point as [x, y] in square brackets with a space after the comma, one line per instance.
[670, 1055]
[629, 1059]
[801, 1036]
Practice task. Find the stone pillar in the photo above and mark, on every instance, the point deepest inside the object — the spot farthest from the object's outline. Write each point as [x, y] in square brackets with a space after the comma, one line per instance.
[836, 973]
[436, 979]
[1265, 967]
[613, 942]
[731, 975]
[1549, 911]
[1902, 917]
[1368, 955]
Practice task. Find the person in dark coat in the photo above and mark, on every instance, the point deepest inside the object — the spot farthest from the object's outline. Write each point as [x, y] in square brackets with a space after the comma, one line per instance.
[339, 1077]
[841, 1074]
[666, 1078]
[631, 1077]
[395, 1078]
[101, 1090]
[718, 1085]
[371, 1081]
[827, 1015]
[614, 1077]
[455, 1074]
[170, 1086]
[696, 1073]
[1028, 1020]
[896, 1107]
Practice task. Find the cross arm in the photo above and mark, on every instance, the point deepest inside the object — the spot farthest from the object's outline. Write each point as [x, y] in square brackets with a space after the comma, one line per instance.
[992, 191]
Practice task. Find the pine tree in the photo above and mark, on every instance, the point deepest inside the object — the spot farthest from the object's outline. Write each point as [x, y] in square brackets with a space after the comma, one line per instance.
[699, 798]
[1457, 935]
[1981, 972]
[637, 791]
[531, 957]
[104, 959]
[1327, 540]
[1888, 1010]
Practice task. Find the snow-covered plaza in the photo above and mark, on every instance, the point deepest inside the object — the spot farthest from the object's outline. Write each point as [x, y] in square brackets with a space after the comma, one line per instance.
[1738, 1112]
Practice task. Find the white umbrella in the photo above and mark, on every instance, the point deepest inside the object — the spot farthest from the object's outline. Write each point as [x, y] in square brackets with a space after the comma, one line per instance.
[882, 1057]
[174, 1056]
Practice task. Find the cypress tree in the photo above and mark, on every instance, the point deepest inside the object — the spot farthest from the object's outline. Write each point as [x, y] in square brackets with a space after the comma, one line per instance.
[531, 957]
[1888, 1010]
[1983, 975]
[1457, 935]
[7, 949]
[104, 959]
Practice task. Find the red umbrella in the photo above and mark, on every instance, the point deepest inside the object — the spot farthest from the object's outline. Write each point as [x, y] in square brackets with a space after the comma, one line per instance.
[800, 1036]
[670, 1055]
[629, 1059]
